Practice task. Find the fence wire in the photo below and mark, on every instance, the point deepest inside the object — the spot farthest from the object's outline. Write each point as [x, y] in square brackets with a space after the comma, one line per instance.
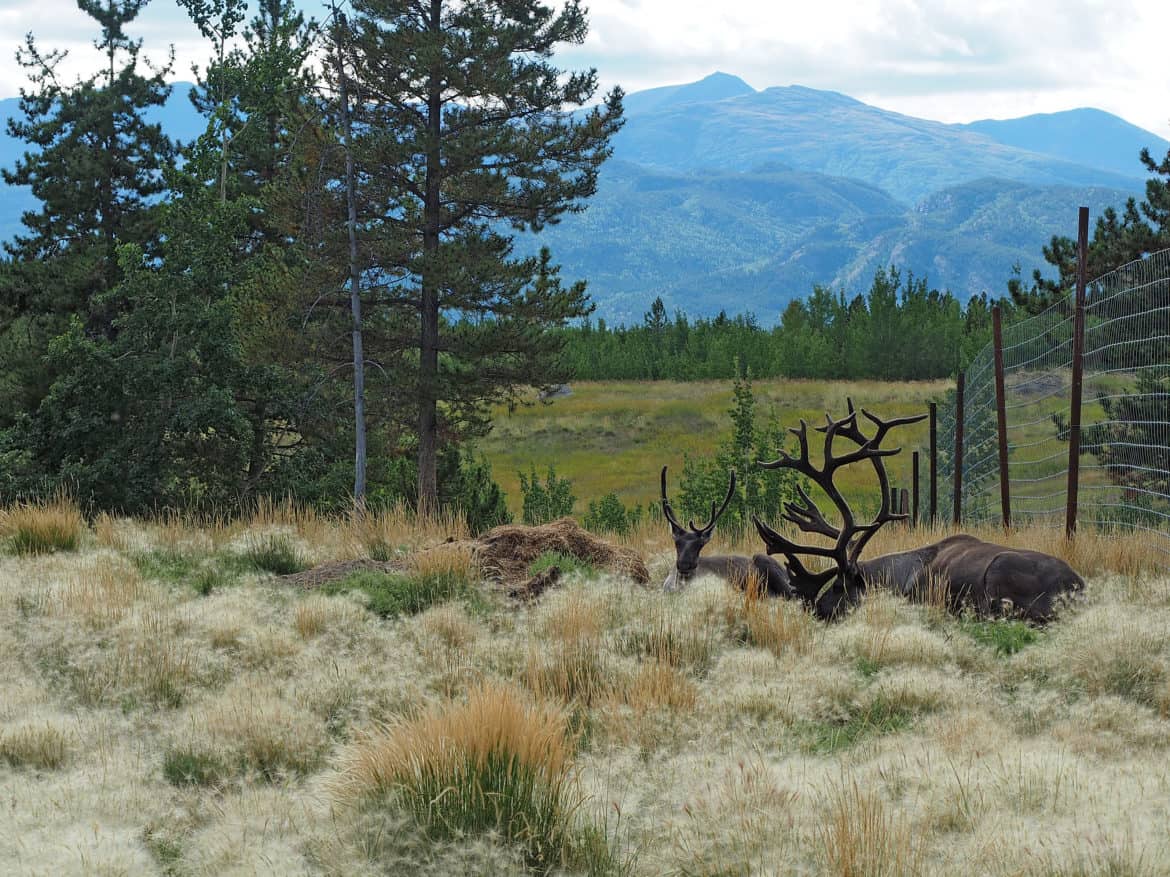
[1124, 477]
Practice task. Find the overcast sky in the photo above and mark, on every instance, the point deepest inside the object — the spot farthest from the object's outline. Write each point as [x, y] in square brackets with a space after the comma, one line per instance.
[950, 60]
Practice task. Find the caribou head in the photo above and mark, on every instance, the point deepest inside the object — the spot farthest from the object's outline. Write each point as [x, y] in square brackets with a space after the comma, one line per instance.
[690, 541]
[832, 591]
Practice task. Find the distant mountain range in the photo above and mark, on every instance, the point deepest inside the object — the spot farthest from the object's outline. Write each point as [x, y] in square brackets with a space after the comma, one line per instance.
[721, 197]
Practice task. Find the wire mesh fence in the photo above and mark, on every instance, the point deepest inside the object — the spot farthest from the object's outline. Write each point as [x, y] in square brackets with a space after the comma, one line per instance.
[1124, 471]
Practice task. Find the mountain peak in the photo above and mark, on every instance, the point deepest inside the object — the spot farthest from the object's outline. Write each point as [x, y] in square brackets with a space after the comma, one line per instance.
[714, 87]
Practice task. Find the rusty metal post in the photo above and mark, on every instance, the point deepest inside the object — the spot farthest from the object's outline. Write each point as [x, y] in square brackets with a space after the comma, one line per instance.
[933, 463]
[1001, 418]
[1078, 374]
[914, 489]
[960, 385]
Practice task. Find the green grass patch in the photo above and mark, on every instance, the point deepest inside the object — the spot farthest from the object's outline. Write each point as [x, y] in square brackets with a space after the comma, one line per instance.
[165, 564]
[568, 564]
[877, 719]
[390, 595]
[868, 667]
[1004, 635]
[184, 767]
[275, 554]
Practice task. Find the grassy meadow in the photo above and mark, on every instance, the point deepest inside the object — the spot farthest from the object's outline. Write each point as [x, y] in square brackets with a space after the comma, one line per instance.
[616, 436]
[168, 705]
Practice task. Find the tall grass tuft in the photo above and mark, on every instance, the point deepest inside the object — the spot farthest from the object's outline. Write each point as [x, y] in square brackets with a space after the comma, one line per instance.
[386, 533]
[274, 553]
[44, 747]
[497, 764]
[861, 840]
[42, 528]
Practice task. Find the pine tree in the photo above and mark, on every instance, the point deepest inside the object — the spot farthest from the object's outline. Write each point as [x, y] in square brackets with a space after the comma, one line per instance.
[465, 130]
[1139, 228]
[96, 165]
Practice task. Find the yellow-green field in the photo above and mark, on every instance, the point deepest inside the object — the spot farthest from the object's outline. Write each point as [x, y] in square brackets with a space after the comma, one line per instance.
[167, 707]
[617, 436]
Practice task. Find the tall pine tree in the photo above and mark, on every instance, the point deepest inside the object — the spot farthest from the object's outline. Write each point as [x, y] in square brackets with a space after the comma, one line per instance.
[96, 165]
[466, 130]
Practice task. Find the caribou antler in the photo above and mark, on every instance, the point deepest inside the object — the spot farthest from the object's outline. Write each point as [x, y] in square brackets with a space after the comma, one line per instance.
[707, 528]
[850, 537]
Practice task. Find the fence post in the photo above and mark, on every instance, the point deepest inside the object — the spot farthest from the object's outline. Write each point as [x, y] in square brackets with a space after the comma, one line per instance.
[1001, 417]
[958, 487]
[914, 489]
[1078, 372]
[904, 503]
[933, 463]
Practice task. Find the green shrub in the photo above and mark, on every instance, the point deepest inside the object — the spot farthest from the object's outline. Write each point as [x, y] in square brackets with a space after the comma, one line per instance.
[546, 502]
[609, 515]
[275, 554]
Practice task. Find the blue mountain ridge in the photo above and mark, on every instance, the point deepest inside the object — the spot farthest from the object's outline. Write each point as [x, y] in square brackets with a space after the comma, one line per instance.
[722, 197]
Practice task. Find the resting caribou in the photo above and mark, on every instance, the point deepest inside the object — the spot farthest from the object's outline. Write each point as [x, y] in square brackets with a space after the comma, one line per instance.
[990, 578]
[738, 569]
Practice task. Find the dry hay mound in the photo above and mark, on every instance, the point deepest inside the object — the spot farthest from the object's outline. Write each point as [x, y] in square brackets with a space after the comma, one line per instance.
[505, 553]
[336, 570]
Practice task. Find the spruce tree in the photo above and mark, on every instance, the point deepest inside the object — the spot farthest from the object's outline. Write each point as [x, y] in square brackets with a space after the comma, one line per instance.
[465, 129]
[96, 165]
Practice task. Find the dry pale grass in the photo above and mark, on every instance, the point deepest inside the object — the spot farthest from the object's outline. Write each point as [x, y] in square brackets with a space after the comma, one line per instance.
[578, 672]
[710, 733]
[450, 559]
[780, 626]
[109, 531]
[248, 728]
[743, 822]
[100, 592]
[387, 533]
[659, 684]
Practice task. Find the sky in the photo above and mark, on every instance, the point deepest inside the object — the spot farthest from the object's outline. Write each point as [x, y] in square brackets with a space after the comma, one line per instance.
[948, 60]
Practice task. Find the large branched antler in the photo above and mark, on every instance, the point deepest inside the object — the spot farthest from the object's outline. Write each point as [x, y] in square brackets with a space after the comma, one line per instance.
[849, 538]
[707, 528]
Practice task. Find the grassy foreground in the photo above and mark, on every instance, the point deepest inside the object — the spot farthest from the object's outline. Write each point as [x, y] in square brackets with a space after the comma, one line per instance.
[616, 436]
[168, 706]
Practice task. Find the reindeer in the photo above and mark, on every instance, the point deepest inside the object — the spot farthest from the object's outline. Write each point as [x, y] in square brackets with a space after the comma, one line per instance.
[737, 569]
[991, 578]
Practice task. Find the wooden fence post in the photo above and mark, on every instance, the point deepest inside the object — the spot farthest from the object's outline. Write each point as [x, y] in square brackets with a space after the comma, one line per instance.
[958, 487]
[933, 463]
[1001, 418]
[914, 489]
[1078, 373]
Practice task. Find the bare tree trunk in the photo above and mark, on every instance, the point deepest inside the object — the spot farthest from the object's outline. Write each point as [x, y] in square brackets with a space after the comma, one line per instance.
[428, 376]
[355, 301]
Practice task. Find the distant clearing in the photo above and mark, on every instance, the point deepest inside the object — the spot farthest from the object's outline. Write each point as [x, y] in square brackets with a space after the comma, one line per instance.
[616, 436]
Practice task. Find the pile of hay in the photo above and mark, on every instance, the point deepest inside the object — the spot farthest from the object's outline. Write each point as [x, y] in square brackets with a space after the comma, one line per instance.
[505, 553]
[504, 556]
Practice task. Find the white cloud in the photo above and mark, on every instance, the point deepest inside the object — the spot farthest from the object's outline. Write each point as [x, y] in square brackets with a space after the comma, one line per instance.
[953, 60]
